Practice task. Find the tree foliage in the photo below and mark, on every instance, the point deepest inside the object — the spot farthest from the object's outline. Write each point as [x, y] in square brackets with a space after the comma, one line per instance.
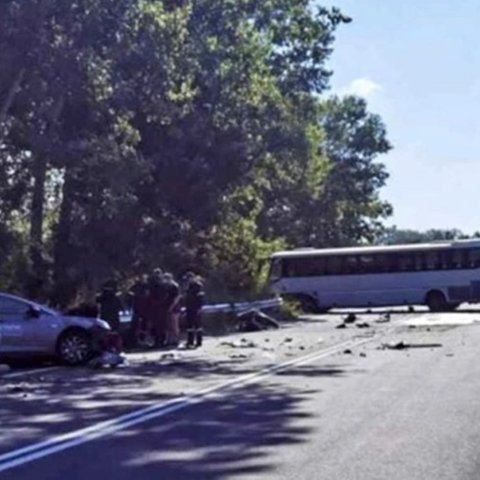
[396, 236]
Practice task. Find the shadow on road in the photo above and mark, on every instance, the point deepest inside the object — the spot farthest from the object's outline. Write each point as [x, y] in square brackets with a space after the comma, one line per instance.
[232, 436]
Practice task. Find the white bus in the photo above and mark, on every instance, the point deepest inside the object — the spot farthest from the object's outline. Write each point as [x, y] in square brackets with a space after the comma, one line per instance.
[441, 275]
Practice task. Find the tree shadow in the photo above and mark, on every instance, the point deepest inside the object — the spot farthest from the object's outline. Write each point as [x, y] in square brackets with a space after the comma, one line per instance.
[234, 435]
[44, 405]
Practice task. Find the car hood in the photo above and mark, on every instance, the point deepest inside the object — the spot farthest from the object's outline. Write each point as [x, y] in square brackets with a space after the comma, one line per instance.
[85, 322]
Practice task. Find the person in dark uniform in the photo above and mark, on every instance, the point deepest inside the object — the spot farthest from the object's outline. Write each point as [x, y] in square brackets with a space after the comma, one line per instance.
[194, 297]
[137, 299]
[110, 305]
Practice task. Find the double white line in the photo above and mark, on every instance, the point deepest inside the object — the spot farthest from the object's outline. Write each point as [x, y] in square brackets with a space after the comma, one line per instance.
[75, 438]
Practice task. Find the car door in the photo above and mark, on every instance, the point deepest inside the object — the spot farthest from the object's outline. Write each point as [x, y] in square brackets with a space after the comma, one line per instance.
[12, 325]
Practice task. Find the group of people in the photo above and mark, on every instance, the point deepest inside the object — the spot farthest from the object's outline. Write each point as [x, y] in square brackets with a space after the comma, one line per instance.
[157, 303]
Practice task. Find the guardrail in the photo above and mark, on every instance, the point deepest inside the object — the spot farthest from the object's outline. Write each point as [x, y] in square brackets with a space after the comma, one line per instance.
[237, 307]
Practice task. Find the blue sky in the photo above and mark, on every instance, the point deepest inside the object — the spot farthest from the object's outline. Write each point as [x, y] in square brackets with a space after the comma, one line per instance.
[418, 65]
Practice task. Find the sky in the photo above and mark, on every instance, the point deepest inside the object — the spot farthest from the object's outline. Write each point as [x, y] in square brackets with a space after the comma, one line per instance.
[417, 63]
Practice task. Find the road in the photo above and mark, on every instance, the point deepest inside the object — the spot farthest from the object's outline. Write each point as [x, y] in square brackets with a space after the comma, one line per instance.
[309, 401]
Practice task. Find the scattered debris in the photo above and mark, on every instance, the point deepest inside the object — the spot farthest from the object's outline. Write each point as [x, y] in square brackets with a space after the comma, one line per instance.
[238, 356]
[242, 343]
[363, 325]
[401, 345]
[16, 389]
[255, 320]
[170, 356]
[108, 359]
[385, 318]
[350, 318]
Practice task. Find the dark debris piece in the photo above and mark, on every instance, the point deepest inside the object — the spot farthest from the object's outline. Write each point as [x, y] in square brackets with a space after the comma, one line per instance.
[350, 318]
[363, 325]
[255, 321]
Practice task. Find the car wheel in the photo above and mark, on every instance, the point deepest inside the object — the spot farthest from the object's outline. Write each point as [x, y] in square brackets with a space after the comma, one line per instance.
[74, 347]
[436, 301]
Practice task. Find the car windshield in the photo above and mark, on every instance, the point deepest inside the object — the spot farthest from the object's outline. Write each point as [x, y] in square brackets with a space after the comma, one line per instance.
[44, 308]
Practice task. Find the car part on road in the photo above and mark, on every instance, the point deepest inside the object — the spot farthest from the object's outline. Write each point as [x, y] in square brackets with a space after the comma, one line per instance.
[350, 318]
[401, 345]
[255, 320]
[74, 347]
[108, 359]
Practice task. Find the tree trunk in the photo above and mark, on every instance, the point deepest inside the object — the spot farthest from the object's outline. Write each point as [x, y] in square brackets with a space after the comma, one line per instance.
[9, 101]
[62, 281]
[38, 275]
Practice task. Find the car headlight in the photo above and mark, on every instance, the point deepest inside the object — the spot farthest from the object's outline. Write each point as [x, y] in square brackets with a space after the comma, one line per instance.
[102, 324]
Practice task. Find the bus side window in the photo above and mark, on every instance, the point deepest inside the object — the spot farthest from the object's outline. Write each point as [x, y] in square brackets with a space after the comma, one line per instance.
[366, 264]
[389, 263]
[287, 269]
[419, 261]
[333, 265]
[431, 260]
[458, 259]
[318, 267]
[277, 267]
[406, 262]
[350, 264]
[448, 263]
[465, 258]
[474, 258]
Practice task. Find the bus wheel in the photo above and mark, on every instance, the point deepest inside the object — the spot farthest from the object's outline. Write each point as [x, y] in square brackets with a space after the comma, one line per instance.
[436, 301]
[453, 306]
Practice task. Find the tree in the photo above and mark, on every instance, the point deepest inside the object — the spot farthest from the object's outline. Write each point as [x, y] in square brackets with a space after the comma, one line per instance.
[396, 236]
[137, 133]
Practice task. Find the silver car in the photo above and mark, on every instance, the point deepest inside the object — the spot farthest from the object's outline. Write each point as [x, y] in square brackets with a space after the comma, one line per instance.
[30, 329]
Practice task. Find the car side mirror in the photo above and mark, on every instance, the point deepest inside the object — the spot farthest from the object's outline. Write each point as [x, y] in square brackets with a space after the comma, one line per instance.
[33, 312]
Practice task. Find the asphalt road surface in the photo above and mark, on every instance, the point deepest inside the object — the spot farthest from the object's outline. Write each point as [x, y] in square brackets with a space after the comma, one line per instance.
[309, 401]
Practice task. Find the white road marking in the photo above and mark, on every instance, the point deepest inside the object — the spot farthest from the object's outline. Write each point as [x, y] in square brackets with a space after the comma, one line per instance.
[23, 373]
[72, 439]
[442, 319]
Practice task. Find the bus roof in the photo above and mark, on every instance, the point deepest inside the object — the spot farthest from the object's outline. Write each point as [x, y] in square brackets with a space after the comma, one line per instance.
[413, 247]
